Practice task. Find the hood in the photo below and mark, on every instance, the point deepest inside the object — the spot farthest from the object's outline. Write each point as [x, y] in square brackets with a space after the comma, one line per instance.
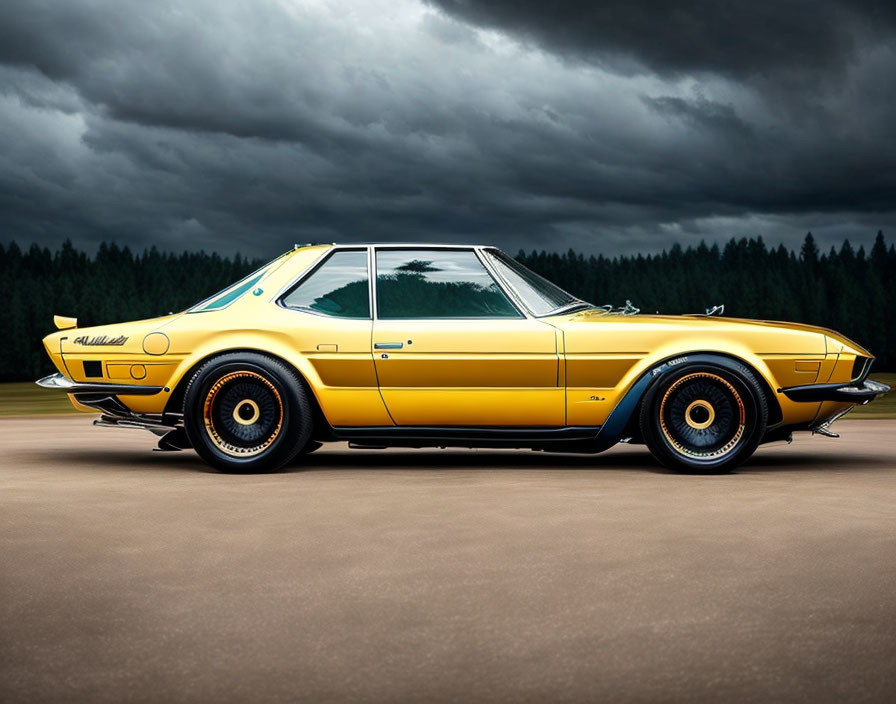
[834, 341]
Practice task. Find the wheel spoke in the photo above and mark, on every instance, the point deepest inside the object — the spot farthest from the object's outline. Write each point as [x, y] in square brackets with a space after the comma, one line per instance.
[702, 416]
[243, 413]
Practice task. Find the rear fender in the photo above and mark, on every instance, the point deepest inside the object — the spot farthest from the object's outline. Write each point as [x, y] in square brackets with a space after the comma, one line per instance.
[240, 342]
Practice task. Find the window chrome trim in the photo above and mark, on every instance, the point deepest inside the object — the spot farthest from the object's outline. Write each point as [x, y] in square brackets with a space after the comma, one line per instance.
[325, 256]
[503, 284]
[522, 314]
[481, 252]
[371, 277]
[298, 279]
[531, 313]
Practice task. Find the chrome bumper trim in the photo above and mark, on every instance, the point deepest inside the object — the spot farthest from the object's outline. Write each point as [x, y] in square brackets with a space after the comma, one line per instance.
[824, 427]
[158, 429]
[58, 382]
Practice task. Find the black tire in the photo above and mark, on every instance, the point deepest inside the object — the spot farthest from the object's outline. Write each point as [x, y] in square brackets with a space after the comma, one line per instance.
[704, 418]
[245, 412]
[310, 447]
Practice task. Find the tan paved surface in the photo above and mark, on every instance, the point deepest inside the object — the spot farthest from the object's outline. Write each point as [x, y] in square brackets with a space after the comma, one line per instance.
[444, 576]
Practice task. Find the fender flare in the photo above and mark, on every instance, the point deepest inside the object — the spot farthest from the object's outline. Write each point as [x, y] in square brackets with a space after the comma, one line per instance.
[613, 430]
[179, 388]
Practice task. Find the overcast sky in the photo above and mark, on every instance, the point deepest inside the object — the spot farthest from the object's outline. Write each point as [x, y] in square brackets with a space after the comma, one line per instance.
[609, 127]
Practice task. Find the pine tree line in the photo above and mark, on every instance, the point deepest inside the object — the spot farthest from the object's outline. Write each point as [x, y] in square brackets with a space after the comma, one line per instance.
[115, 285]
[848, 290]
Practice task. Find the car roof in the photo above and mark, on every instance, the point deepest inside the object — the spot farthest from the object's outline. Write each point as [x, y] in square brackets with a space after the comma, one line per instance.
[404, 245]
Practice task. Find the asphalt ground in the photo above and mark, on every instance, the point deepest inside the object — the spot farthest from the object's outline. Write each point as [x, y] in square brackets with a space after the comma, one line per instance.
[455, 576]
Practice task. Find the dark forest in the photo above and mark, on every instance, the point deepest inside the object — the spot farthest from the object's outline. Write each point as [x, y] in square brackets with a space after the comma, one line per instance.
[847, 289]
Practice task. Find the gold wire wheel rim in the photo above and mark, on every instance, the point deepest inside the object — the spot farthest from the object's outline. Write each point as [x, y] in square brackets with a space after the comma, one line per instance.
[706, 406]
[718, 452]
[222, 444]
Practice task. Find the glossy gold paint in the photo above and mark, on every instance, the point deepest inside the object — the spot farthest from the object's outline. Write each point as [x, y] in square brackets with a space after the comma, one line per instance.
[565, 370]
[64, 322]
[463, 372]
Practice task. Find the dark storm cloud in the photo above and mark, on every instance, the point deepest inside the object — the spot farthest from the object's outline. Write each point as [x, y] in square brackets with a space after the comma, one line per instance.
[250, 126]
[737, 39]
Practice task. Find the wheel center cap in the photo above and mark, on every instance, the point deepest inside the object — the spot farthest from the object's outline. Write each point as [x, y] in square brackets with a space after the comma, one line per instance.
[699, 414]
[246, 412]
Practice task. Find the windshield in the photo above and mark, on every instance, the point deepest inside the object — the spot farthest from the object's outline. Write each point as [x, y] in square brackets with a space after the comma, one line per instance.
[540, 295]
[231, 293]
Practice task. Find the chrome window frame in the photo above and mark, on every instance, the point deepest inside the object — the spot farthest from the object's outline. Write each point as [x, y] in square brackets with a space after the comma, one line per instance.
[522, 314]
[485, 255]
[481, 254]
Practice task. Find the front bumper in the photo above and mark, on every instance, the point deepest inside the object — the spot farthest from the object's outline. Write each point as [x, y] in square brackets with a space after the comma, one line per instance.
[60, 383]
[850, 392]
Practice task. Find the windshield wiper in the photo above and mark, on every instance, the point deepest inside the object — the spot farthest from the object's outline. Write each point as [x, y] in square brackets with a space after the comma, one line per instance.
[576, 304]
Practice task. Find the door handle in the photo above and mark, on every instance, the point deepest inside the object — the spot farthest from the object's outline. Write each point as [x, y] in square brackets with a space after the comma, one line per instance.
[388, 345]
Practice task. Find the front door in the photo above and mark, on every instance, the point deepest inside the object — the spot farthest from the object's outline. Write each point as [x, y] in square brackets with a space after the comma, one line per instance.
[451, 349]
[329, 319]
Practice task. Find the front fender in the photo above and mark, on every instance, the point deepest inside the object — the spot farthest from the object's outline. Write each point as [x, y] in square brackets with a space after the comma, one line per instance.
[619, 420]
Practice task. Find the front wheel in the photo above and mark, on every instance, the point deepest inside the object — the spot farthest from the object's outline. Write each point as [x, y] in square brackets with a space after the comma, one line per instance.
[244, 412]
[704, 419]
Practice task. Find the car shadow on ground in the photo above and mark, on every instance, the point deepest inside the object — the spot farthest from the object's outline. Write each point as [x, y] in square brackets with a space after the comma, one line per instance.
[339, 460]
[807, 461]
[634, 458]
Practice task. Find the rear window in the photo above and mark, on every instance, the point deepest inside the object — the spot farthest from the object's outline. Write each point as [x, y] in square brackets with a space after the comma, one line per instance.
[224, 298]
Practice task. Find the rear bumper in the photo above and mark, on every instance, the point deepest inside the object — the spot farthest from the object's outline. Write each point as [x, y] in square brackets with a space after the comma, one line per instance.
[60, 383]
[102, 397]
[850, 392]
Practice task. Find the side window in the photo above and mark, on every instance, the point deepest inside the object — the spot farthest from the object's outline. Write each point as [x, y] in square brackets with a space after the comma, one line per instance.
[432, 283]
[338, 288]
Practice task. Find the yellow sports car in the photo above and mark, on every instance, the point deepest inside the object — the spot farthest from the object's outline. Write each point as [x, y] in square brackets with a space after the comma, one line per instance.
[430, 346]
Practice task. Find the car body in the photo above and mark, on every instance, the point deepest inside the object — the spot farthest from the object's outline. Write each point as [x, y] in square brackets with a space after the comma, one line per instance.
[430, 345]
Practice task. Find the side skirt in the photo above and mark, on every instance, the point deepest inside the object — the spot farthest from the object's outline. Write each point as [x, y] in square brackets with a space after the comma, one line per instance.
[571, 439]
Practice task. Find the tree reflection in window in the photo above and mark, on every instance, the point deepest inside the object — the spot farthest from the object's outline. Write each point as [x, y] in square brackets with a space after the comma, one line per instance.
[338, 288]
[437, 284]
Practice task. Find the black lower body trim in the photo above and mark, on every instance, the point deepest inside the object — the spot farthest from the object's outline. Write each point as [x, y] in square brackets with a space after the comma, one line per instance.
[850, 392]
[453, 436]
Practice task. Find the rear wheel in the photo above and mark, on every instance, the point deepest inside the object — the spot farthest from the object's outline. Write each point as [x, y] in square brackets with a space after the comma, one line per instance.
[704, 418]
[310, 447]
[245, 412]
